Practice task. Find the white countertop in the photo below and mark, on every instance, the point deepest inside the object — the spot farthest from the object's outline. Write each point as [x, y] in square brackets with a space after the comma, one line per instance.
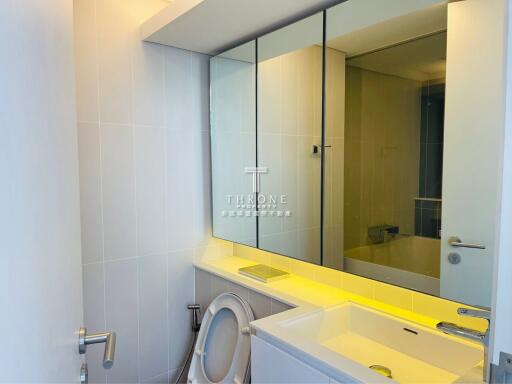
[308, 296]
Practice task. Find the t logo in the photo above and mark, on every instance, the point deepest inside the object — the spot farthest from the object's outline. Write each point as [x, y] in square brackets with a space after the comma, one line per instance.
[256, 171]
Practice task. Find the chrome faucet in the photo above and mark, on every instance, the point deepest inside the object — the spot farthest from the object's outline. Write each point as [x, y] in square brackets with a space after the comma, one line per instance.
[471, 334]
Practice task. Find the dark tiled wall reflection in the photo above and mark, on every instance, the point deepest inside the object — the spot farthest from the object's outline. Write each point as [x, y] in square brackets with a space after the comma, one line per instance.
[428, 218]
[427, 212]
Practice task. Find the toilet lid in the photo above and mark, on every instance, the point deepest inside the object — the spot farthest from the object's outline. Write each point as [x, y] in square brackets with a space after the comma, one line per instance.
[223, 347]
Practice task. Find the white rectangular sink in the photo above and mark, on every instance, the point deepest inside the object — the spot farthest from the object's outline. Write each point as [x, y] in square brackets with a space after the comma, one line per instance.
[413, 353]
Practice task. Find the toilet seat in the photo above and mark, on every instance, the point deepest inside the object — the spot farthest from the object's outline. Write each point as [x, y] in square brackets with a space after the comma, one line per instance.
[222, 309]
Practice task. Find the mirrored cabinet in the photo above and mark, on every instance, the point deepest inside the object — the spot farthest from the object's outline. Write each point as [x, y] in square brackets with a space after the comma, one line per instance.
[233, 141]
[289, 126]
[339, 140]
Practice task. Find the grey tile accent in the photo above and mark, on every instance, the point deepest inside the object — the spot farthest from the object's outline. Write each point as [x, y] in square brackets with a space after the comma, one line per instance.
[427, 217]
[278, 306]
[218, 285]
[202, 289]
[261, 305]
[239, 290]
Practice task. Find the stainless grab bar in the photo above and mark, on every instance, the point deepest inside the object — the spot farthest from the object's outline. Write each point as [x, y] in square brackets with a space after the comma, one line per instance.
[109, 338]
[457, 242]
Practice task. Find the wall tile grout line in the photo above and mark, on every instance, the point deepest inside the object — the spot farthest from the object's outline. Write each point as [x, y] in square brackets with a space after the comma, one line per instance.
[135, 206]
[166, 219]
[100, 154]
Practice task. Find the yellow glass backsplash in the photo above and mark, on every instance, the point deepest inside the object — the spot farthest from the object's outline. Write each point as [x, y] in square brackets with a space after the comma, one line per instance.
[401, 298]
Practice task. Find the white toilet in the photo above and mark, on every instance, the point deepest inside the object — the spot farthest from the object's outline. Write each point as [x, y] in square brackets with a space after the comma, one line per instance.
[223, 347]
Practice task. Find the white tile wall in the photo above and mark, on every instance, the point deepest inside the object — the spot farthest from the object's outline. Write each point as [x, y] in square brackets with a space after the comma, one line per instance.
[150, 170]
[94, 316]
[40, 271]
[90, 179]
[122, 315]
[153, 324]
[118, 191]
[144, 183]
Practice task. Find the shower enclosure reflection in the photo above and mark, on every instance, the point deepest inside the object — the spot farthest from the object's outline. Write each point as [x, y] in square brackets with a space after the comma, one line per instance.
[392, 162]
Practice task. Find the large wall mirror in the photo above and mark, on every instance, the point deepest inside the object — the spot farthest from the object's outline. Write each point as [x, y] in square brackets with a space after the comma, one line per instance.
[233, 142]
[334, 142]
[289, 125]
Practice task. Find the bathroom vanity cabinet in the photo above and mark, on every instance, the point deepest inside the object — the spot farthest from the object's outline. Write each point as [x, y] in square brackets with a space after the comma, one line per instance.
[270, 364]
[351, 343]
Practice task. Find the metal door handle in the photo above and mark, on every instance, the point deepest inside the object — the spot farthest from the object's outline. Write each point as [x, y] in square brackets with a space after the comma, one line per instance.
[457, 242]
[109, 338]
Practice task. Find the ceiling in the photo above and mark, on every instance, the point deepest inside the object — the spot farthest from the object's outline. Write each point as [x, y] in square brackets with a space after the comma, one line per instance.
[354, 27]
[210, 26]
[420, 59]
[401, 28]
